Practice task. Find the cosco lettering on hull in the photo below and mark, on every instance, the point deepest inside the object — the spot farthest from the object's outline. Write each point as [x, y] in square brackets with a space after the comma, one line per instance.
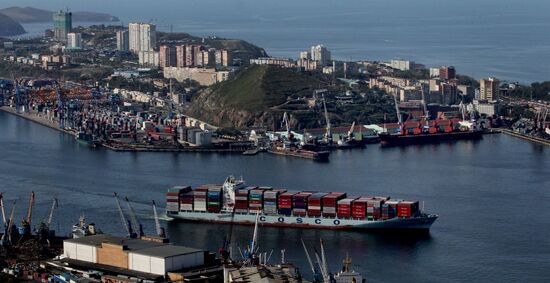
[299, 220]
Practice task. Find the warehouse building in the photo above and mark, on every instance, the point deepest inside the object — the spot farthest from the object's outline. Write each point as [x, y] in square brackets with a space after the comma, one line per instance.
[132, 254]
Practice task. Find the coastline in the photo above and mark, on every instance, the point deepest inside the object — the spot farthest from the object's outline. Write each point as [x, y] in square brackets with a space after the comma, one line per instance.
[524, 137]
[34, 117]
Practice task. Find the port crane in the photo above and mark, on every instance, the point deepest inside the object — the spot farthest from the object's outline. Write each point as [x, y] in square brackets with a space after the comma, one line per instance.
[3, 210]
[26, 223]
[50, 216]
[160, 231]
[126, 224]
[328, 133]
[287, 125]
[136, 226]
[7, 237]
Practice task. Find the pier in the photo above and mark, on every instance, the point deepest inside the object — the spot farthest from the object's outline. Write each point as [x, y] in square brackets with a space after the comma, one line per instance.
[525, 137]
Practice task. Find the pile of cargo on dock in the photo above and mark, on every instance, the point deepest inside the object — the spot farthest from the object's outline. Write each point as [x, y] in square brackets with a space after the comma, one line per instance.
[234, 202]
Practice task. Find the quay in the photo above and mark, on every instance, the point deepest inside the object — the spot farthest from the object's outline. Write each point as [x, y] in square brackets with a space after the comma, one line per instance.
[35, 117]
[525, 137]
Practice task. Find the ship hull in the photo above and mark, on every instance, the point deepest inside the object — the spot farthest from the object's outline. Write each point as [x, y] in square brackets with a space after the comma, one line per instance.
[87, 143]
[318, 156]
[401, 140]
[414, 223]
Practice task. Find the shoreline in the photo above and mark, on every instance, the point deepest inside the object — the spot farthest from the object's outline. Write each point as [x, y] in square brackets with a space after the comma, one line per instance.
[33, 117]
[527, 138]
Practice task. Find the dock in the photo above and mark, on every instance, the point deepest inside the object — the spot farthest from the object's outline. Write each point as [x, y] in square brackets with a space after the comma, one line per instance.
[526, 137]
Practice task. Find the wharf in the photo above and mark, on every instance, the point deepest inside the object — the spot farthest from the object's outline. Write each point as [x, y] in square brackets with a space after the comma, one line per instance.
[526, 137]
[37, 118]
[34, 116]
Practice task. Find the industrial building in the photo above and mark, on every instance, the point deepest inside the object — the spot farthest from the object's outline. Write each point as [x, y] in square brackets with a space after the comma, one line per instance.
[136, 256]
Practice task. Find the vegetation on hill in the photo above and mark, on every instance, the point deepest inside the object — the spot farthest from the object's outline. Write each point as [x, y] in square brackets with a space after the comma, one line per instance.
[536, 91]
[259, 95]
[34, 15]
[9, 27]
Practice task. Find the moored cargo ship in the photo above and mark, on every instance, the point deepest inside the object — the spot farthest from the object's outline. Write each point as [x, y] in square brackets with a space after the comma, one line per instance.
[290, 149]
[433, 131]
[234, 202]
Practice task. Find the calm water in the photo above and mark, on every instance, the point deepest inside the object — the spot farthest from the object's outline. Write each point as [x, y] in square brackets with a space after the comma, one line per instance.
[492, 197]
[504, 38]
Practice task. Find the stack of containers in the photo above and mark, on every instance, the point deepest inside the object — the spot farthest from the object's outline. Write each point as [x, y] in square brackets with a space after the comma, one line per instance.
[329, 203]
[359, 208]
[285, 203]
[389, 209]
[186, 201]
[241, 199]
[344, 207]
[407, 209]
[214, 199]
[314, 204]
[374, 206]
[299, 203]
[173, 198]
[199, 198]
[255, 200]
[270, 201]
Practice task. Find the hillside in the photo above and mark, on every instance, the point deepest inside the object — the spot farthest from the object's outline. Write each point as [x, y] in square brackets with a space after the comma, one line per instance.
[256, 97]
[9, 27]
[34, 15]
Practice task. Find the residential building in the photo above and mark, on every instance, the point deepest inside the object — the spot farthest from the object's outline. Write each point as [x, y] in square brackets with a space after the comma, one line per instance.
[283, 62]
[447, 73]
[305, 55]
[180, 56]
[449, 93]
[224, 58]
[149, 59]
[142, 37]
[167, 56]
[309, 65]
[199, 60]
[466, 91]
[320, 53]
[489, 89]
[402, 65]
[122, 40]
[204, 76]
[189, 56]
[62, 24]
[74, 40]
[487, 108]
[434, 72]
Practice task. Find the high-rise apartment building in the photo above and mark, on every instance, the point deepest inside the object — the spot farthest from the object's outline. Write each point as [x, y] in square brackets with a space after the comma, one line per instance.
[122, 40]
[489, 89]
[320, 53]
[62, 24]
[180, 56]
[167, 56]
[189, 55]
[74, 40]
[142, 37]
[447, 73]
[224, 58]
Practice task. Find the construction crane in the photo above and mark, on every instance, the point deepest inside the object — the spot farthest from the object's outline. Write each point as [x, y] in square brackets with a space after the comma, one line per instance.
[136, 226]
[126, 224]
[328, 133]
[160, 231]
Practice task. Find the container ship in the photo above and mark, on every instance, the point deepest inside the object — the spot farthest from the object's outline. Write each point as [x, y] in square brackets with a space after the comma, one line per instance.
[235, 202]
